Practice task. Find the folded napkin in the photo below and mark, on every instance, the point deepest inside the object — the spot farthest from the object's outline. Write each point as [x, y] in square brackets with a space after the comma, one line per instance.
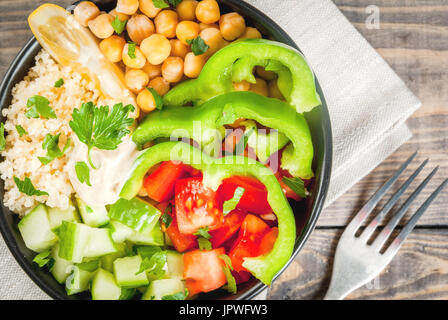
[368, 105]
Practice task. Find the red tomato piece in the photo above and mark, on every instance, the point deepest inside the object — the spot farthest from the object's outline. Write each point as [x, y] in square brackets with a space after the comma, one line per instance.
[182, 242]
[254, 199]
[252, 231]
[203, 270]
[196, 206]
[231, 225]
[268, 241]
[241, 277]
[160, 184]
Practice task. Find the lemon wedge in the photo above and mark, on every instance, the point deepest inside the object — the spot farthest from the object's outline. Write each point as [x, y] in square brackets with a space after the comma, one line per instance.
[73, 45]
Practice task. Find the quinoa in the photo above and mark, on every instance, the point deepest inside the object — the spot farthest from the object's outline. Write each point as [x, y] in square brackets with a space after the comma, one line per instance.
[20, 157]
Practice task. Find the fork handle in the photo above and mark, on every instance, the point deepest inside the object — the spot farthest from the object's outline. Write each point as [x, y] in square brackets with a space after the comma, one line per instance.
[337, 292]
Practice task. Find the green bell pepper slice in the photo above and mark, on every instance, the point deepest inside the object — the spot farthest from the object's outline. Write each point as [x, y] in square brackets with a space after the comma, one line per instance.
[225, 109]
[214, 170]
[235, 62]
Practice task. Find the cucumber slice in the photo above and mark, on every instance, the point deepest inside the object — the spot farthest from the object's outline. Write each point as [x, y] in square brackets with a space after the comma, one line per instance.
[104, 286]
[74, 238]
[61, 268]
[126, 271]
[160, 288]
[136, 213]
[36, 230]
[78, 281]
[153, 238]
[120, 232]
[107, 261]
[175, 262]
[100, 243]
[57, 215]
[94, 216]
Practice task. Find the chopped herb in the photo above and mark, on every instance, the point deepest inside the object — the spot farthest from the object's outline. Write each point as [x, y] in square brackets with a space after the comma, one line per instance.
[177, 296]
[20, 130]
[231, 204]
[89, 210]
[204, 244]
[2, 137]
[226, 260]
[26, 187]
[241, 145]
[198, 46]
[42, 258]
[89, 266]
[39, 106]
[131, 49]
[59, 83]
[166, 217]
[127, 293]
[153, 261]
[157, 98]
[51, 145]
[101, 128]
[118, 25]
[228, 268]
[160, 4]
[203, 232]
[174, 3]
[83, 173]
[297, 185]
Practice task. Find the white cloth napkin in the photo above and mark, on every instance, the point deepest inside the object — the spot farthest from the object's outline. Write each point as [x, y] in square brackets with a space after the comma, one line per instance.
[368, 105]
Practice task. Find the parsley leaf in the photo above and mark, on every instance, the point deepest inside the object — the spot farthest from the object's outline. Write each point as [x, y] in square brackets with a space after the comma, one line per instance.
[198, 46]
[160, 4]
[231, 204]
[39, 106]
[131, 49]
[42, 258]
[203, 232]
[20, 130]
[204, 244]
[100, 127]
[119, 25]
[166, 217]
[157, 98]
[241, 145]
[153, 262]
[228, 268]
[26, 187]
[174, 3]
[2, 137]
[226, 260]
[176, 296]
[83, 173]
[51, 145]
[59, 83]
[297, 185]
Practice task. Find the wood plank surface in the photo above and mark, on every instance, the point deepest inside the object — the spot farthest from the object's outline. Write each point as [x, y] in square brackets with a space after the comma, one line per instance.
[413, 39]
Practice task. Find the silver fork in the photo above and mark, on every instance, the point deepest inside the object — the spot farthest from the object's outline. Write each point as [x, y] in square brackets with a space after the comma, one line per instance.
[356, 260]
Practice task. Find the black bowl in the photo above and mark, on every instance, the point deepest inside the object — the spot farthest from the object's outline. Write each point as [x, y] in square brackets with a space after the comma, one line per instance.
[306, 213]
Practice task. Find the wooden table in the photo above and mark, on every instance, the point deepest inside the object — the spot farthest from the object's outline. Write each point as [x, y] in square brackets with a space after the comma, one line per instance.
[413, 39]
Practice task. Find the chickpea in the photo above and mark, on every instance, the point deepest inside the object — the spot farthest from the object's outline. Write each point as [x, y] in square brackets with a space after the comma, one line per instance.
[146, 101]
[128, 7]
[134, 63]
[203, 26]
[86, 11]
[101, 26]
[187, 30]
[207, 11]
[136, 80]
[139, 27]
[232, 25]
[173, 69]
[178, 48]
[212, 37]
[160, 85]
[186, 10]
[156, 48]
[241, 86]
[152, 70]
[166, 23]
[193, 64]
[119, 15]
[251, 33]
[266, 75]
[148, 8]
[274, 91]
[112, 48]
[260, 87]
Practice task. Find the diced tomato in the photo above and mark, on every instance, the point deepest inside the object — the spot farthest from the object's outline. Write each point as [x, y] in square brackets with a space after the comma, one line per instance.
[182, 242]
[241, 276]
[192, 172]
[196, 206]
[268, 241]
[203, 270]
[160, 184]
[254, 199]
[252, 231]
[231, 225]
[287, 190]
